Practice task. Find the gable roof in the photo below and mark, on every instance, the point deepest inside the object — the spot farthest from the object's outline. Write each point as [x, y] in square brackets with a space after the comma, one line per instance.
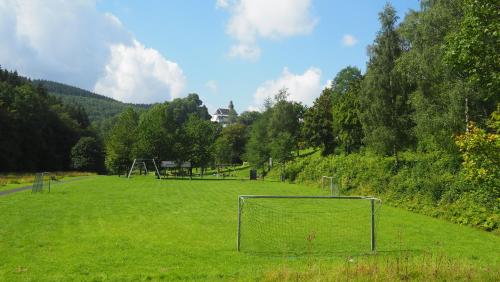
[221, 111]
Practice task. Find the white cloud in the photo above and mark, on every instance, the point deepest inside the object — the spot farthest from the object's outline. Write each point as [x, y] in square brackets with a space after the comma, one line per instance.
[72, 42]
[349, 40]
[248, 52]
[222, 4]
[328, 84]
[140, 75]
[253, 19]
[301, 87]
[212, 86]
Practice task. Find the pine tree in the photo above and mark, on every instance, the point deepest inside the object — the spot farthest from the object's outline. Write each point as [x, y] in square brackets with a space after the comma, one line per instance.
[384, 102]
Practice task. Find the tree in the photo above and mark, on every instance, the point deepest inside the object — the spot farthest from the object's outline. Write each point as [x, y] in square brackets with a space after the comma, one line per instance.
[384, 100]
[437, 97]
[284, 117]
[472, 52]
[232, 115]
[257, 148]
[120, 145]
[153, 138]
[37, 130]
[346, 123]
[236, 136]
[318, 129]
[199, 136]
[87, 155]
[222, 150]
[177, 114]
[248, 118]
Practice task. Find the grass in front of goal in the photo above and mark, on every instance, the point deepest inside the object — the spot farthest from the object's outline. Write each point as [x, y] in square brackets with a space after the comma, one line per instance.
[110, 228]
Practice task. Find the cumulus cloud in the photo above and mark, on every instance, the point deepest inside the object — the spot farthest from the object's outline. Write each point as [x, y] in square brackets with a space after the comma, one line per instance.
[72, 42]
[253, 19]
[301, 87]
[140, 75]
[349, 40]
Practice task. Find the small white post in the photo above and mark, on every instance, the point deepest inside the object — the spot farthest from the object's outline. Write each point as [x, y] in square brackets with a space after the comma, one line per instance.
[131, 168]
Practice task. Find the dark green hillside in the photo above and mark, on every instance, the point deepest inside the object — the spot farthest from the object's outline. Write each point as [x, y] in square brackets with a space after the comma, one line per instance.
[98, 107]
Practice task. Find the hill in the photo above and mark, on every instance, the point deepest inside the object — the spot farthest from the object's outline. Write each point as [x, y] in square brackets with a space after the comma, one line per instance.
[98, 107]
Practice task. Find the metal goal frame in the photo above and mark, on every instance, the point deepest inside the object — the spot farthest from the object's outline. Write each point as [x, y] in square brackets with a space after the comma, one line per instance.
[372, 200]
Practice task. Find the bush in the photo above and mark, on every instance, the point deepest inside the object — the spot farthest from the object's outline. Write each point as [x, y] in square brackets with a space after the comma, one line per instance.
[430, 183]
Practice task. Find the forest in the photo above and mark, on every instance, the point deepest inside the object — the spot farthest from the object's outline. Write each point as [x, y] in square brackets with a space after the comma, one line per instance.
[420, 125]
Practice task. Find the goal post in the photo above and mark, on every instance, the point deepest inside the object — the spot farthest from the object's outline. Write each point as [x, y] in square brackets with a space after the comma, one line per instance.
[329, 179]
[42, 180]
[307, 224]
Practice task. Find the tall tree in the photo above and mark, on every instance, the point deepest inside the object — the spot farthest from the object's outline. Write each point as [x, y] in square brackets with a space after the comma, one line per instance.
[200, 134]
[235, 135]
[120, 146]
[384, 100]
[285, 117]
[153, 139]
[318, 129]
[346, 123]
[437, 98]
[472, 52]
[257, 148]
[232, 115]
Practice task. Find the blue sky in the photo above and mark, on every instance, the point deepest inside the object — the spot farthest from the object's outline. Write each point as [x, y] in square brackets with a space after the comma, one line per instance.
[149, 51]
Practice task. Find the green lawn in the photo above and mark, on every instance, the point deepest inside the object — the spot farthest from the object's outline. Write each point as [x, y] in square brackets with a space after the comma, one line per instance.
[110, 228]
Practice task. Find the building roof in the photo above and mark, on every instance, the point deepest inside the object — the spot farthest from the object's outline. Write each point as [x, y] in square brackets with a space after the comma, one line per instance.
[221, 111]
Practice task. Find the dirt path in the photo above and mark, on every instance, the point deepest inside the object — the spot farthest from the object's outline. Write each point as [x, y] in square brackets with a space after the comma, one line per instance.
[11, 191]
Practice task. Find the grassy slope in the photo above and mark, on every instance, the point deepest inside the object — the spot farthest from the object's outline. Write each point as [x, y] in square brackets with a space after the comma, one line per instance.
[118, 229]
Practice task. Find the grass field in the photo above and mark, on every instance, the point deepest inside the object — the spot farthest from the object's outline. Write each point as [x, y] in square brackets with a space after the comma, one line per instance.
[115, 229]
[16, 180]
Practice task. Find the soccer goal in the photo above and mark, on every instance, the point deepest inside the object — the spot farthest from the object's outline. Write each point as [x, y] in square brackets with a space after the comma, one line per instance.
[307, 224]
[42, 180]
[334, 191]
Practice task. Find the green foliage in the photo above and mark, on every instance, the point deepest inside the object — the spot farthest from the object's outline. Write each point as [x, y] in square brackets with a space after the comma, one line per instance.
[281, 148]
[232, 115]
[317, 128]
[98, 107]
[87, 155]
[384, 99]
[199, 135]
[248, 118]
[236, 136]
[222, 150]
[438, 99]
[153, 139]
[37, 130]
[472, 50]
[481, 155]
[427, 183]
[346, 123]
[257, 148]
[120, 145]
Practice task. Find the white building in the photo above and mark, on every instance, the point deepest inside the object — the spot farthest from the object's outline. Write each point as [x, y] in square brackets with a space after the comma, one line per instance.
[221, 115]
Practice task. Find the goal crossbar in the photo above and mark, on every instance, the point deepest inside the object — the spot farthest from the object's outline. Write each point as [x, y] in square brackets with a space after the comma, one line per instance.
[372, 200]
